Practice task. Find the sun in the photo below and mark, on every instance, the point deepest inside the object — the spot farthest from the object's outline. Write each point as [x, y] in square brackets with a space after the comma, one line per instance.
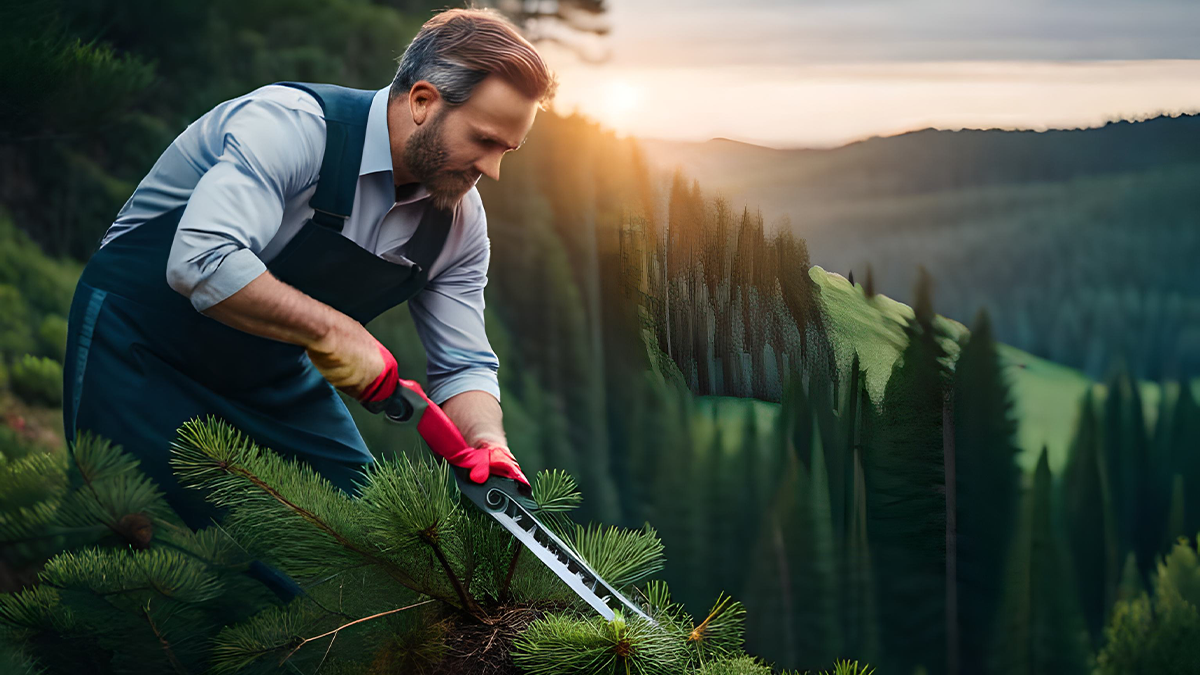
[619, 98]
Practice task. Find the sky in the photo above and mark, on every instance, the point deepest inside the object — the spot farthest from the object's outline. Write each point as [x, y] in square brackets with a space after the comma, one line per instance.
[822, 73]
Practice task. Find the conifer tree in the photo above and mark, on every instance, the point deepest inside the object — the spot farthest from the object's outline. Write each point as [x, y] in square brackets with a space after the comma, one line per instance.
[857, 599]
[988, 485]
[1176, 438]
[1089, 520]
[1158, 632]
[1040, 629]
[906, 505]
[398, 578]
[773, 603]
[1139, 512]
[133, 589]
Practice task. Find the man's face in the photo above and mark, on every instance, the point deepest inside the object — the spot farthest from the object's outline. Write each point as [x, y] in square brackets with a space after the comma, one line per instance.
[449, 152]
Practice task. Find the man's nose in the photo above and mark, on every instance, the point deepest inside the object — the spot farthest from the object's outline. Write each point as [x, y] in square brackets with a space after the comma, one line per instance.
[490, 166]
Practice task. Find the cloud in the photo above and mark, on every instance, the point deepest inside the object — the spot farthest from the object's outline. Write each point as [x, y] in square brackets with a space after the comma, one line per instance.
[707, 33]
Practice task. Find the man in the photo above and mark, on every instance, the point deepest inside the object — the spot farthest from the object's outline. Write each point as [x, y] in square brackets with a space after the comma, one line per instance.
[237, 279]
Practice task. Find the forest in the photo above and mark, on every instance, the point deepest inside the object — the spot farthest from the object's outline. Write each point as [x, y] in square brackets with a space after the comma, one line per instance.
[1079, 242]
[795, 472]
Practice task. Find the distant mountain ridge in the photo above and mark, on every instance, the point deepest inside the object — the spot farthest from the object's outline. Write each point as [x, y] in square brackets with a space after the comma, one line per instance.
[930, 160]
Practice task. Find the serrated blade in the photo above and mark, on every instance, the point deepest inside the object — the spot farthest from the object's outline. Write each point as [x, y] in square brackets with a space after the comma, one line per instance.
[500, 498]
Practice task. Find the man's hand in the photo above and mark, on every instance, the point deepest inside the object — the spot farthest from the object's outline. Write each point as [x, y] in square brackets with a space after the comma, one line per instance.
[343, 351]
[354, 362]
[495, 459]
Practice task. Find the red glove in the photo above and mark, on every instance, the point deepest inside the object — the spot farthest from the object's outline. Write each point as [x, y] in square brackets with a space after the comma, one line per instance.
[385, 383]
[439, 430]
[491, 459]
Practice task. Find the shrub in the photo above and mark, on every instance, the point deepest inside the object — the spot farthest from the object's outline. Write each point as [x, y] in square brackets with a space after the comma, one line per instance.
[38, 380]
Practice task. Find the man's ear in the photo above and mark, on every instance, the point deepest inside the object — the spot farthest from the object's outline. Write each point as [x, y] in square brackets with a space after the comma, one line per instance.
[422, 99]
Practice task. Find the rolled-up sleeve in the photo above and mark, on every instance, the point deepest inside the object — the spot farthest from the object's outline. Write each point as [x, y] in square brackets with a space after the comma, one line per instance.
[448, 314]
[267, 152]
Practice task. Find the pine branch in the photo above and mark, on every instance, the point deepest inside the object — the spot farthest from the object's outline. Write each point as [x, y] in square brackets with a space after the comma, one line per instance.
[620, 556]
[512, 567]
[347, 625]
[207, 454]
[166, 646]
[476, 612]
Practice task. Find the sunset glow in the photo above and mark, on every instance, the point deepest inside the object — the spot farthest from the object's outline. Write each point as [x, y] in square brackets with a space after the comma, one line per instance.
[824, 105]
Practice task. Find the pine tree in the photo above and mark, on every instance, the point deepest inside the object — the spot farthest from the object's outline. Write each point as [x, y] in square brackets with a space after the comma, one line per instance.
[858, 605]
[1139, 516]
[1040, 629]
[1176, 439]
[1158, 632]
[771, 598]
[1089, 520]
[133, 589]
[988, 485]
[400, 578]
[905, 475]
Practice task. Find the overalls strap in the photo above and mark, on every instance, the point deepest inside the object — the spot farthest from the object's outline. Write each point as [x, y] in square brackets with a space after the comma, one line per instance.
[346, 111]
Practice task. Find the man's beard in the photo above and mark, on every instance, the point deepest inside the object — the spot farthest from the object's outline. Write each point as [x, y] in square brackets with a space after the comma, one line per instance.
[425, 157]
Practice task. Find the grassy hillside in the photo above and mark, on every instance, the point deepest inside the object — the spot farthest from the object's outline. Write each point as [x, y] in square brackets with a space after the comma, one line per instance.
[1046, 394]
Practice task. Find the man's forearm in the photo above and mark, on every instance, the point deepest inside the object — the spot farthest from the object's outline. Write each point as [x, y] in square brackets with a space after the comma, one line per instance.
[340, 348]
[270, 308]
[477, 415]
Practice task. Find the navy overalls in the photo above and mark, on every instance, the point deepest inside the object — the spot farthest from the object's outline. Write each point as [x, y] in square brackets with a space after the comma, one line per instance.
[141, 360]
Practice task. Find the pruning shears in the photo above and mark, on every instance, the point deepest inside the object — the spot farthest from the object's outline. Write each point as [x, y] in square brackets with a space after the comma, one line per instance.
[508, 501]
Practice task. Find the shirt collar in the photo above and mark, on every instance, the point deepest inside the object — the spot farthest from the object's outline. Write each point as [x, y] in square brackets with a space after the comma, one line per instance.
[377, 150]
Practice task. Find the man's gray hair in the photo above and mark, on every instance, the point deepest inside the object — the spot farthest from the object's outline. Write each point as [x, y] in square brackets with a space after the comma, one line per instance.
[459, 48]
[420, 61]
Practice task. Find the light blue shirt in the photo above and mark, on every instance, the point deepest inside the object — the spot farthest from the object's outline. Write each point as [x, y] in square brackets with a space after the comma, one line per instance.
[246, 170]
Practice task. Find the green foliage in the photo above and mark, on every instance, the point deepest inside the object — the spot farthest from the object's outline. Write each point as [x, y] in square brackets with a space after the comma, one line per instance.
[905, 471]
[621, 557]
[35, 293]
[282, 509]
[406, 527]
[127, 587]
[238, 647]
[38, 380]
[734, 310]
[740, 665]
[52, 337]
[1081, 255]
[717, 636]
[14, 322]
[16, 662]
[844, 667]
[1089, 519]
[1158, 633]
[987, 485]
[1039, 627]
[558, 644]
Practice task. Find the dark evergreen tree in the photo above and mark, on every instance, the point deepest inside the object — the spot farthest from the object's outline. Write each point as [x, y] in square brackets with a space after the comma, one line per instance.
[1140, 512]
[1040, 629]
[1176, 441]
[988, 484]
[905, 477]
[1089, 520]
